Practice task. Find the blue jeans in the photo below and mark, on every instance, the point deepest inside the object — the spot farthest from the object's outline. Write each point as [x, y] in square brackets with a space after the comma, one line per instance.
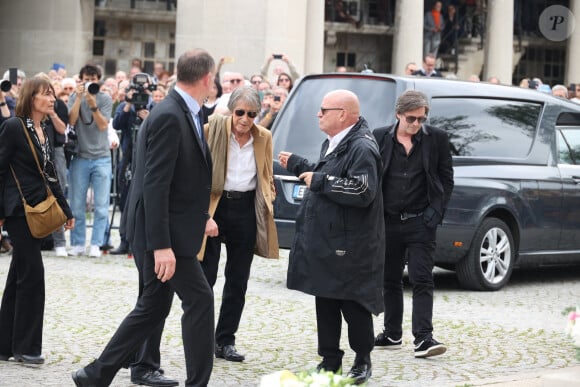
[97, 173]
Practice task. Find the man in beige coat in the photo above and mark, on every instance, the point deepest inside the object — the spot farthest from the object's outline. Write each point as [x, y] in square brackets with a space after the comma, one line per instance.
[241, 210]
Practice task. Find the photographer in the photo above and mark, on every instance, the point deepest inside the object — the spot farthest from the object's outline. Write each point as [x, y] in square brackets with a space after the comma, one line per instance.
[128, 118]
[89, 112]
[9, 91]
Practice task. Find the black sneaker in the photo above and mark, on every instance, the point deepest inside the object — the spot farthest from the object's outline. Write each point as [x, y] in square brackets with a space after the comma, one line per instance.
[382, 340]
[430, 347]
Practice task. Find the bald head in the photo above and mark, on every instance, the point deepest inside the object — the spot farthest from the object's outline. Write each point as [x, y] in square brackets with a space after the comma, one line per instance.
[339, 110]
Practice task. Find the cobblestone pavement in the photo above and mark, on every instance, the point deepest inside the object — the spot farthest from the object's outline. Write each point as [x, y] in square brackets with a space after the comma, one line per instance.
[490, 336]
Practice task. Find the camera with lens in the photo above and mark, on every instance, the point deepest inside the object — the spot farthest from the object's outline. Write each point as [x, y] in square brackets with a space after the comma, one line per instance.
[92, 88]
[5, 85]
[140, 84]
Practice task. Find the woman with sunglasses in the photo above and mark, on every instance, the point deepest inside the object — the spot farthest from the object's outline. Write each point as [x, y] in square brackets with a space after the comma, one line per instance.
[241, 208]
[285, 81]
[22, 308]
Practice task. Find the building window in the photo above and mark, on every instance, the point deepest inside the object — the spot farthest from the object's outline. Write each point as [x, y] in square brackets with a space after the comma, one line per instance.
[347, 59]
[149, 50]
[98, 47]
[100, 28]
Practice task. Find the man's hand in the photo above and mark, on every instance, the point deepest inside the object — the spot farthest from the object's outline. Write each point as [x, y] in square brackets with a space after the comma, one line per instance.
[211, 228]
[307, 177]
[283, 158]
[164, 264]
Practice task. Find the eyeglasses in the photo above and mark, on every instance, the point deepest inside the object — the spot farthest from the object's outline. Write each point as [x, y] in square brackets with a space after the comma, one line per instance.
[411, 119]
[256, 82]
[283, 80]
[235, 80]
[240, 113]
[324, 110]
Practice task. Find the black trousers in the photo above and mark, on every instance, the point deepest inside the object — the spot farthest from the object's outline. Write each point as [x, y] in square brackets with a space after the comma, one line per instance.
[329, 314]
[22, 308]
[236, 220]
[413, 240]
[151, 310]
[148, 357]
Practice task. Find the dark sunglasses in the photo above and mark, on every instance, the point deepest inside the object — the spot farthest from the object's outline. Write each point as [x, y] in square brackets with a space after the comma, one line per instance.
[240, 113]
[324, 110]
[411, 119]
[283, 80]
[235, 80]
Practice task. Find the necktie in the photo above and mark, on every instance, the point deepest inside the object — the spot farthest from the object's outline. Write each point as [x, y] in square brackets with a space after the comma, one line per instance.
[198, 120]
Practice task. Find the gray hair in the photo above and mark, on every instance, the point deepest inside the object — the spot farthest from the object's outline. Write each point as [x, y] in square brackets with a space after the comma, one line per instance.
[245, 94]
[193, 65]
[561, 88]
[412, 100]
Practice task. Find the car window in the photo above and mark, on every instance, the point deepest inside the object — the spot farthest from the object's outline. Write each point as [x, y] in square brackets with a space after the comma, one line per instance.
[568, 146]
[296, 129]
[487, 127]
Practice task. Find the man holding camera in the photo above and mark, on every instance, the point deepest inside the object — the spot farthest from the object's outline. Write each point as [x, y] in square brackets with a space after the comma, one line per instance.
[89, 112]
[128, 117]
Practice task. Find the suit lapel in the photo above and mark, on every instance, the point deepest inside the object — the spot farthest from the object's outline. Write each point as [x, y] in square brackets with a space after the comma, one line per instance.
[192, 126]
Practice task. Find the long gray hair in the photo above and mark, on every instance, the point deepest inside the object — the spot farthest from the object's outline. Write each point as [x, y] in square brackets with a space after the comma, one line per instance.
[245, 94]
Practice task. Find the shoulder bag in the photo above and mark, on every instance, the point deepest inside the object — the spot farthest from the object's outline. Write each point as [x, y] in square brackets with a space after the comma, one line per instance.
[47, 216]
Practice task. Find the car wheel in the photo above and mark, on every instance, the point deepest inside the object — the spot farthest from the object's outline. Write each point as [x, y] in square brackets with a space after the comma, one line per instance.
[489, 263]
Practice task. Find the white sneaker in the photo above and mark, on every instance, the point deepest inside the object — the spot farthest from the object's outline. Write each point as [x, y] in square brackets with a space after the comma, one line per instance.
[77, 250]
[95, 251]
[60, 251]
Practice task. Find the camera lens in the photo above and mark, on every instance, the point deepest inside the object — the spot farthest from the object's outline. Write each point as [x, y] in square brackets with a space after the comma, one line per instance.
[6, 85]
[92, 88]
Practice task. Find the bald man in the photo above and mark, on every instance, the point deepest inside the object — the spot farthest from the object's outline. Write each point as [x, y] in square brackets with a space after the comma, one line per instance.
[339, 242]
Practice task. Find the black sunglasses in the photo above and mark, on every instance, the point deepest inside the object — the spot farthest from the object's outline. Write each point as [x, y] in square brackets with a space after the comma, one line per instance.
[240, 113]
[411, 119]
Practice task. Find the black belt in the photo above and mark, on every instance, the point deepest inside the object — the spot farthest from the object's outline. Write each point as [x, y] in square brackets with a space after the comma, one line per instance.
[238, 194]
[403, 216]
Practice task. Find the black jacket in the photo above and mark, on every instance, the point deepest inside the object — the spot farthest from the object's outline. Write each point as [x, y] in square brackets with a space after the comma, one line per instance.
[437, 164]
[338, 248]
[15, 151]
[170, 189]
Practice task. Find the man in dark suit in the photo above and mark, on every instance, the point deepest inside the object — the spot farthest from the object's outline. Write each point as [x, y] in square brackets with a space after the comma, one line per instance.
[417, 184]
[167, 215]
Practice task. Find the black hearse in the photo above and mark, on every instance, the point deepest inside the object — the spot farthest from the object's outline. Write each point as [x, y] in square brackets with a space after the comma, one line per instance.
[516, 155]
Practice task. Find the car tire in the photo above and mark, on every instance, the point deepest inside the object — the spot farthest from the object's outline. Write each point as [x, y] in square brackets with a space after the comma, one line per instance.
[489, 263]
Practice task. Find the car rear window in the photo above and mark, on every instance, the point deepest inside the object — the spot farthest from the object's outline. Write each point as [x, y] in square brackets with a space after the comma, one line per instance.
[487, 127]
[296, 129]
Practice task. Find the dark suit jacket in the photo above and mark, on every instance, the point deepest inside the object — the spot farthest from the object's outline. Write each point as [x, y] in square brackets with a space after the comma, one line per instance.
[15, 151]
[170, 189]
[437, 163]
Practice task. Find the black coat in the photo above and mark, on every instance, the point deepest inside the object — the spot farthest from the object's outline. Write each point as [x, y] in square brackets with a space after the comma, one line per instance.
[169, 195]
[338, 248]
[437, 163]
[15, 151]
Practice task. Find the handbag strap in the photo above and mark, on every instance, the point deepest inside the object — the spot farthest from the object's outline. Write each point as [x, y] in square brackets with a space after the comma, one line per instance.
[33, 150]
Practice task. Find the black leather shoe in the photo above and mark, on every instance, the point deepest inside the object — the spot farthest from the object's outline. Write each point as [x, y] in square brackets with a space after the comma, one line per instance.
[229, 353]
[81, 379]
[329, 368]
[360, 373]
[29, 359]
[122, 249]
[154, 378]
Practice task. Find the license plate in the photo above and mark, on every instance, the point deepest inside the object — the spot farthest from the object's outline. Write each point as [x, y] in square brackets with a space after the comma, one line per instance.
[298, 192]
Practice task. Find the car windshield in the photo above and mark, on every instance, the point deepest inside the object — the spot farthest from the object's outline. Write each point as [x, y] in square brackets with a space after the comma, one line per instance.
[296, 129]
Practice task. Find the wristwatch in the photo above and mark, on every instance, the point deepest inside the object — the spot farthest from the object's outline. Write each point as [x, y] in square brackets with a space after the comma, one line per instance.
[94, 109]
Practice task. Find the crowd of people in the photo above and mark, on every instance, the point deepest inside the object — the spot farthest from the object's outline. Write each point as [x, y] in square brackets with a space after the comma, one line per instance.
[193, 169]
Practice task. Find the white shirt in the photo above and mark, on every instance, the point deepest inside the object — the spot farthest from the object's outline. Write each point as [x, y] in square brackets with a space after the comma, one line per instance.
[334, 141]
[241, 174]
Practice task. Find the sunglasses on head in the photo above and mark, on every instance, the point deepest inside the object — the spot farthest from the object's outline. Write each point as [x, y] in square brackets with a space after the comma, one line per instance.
[411, 119]
[240, 113]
